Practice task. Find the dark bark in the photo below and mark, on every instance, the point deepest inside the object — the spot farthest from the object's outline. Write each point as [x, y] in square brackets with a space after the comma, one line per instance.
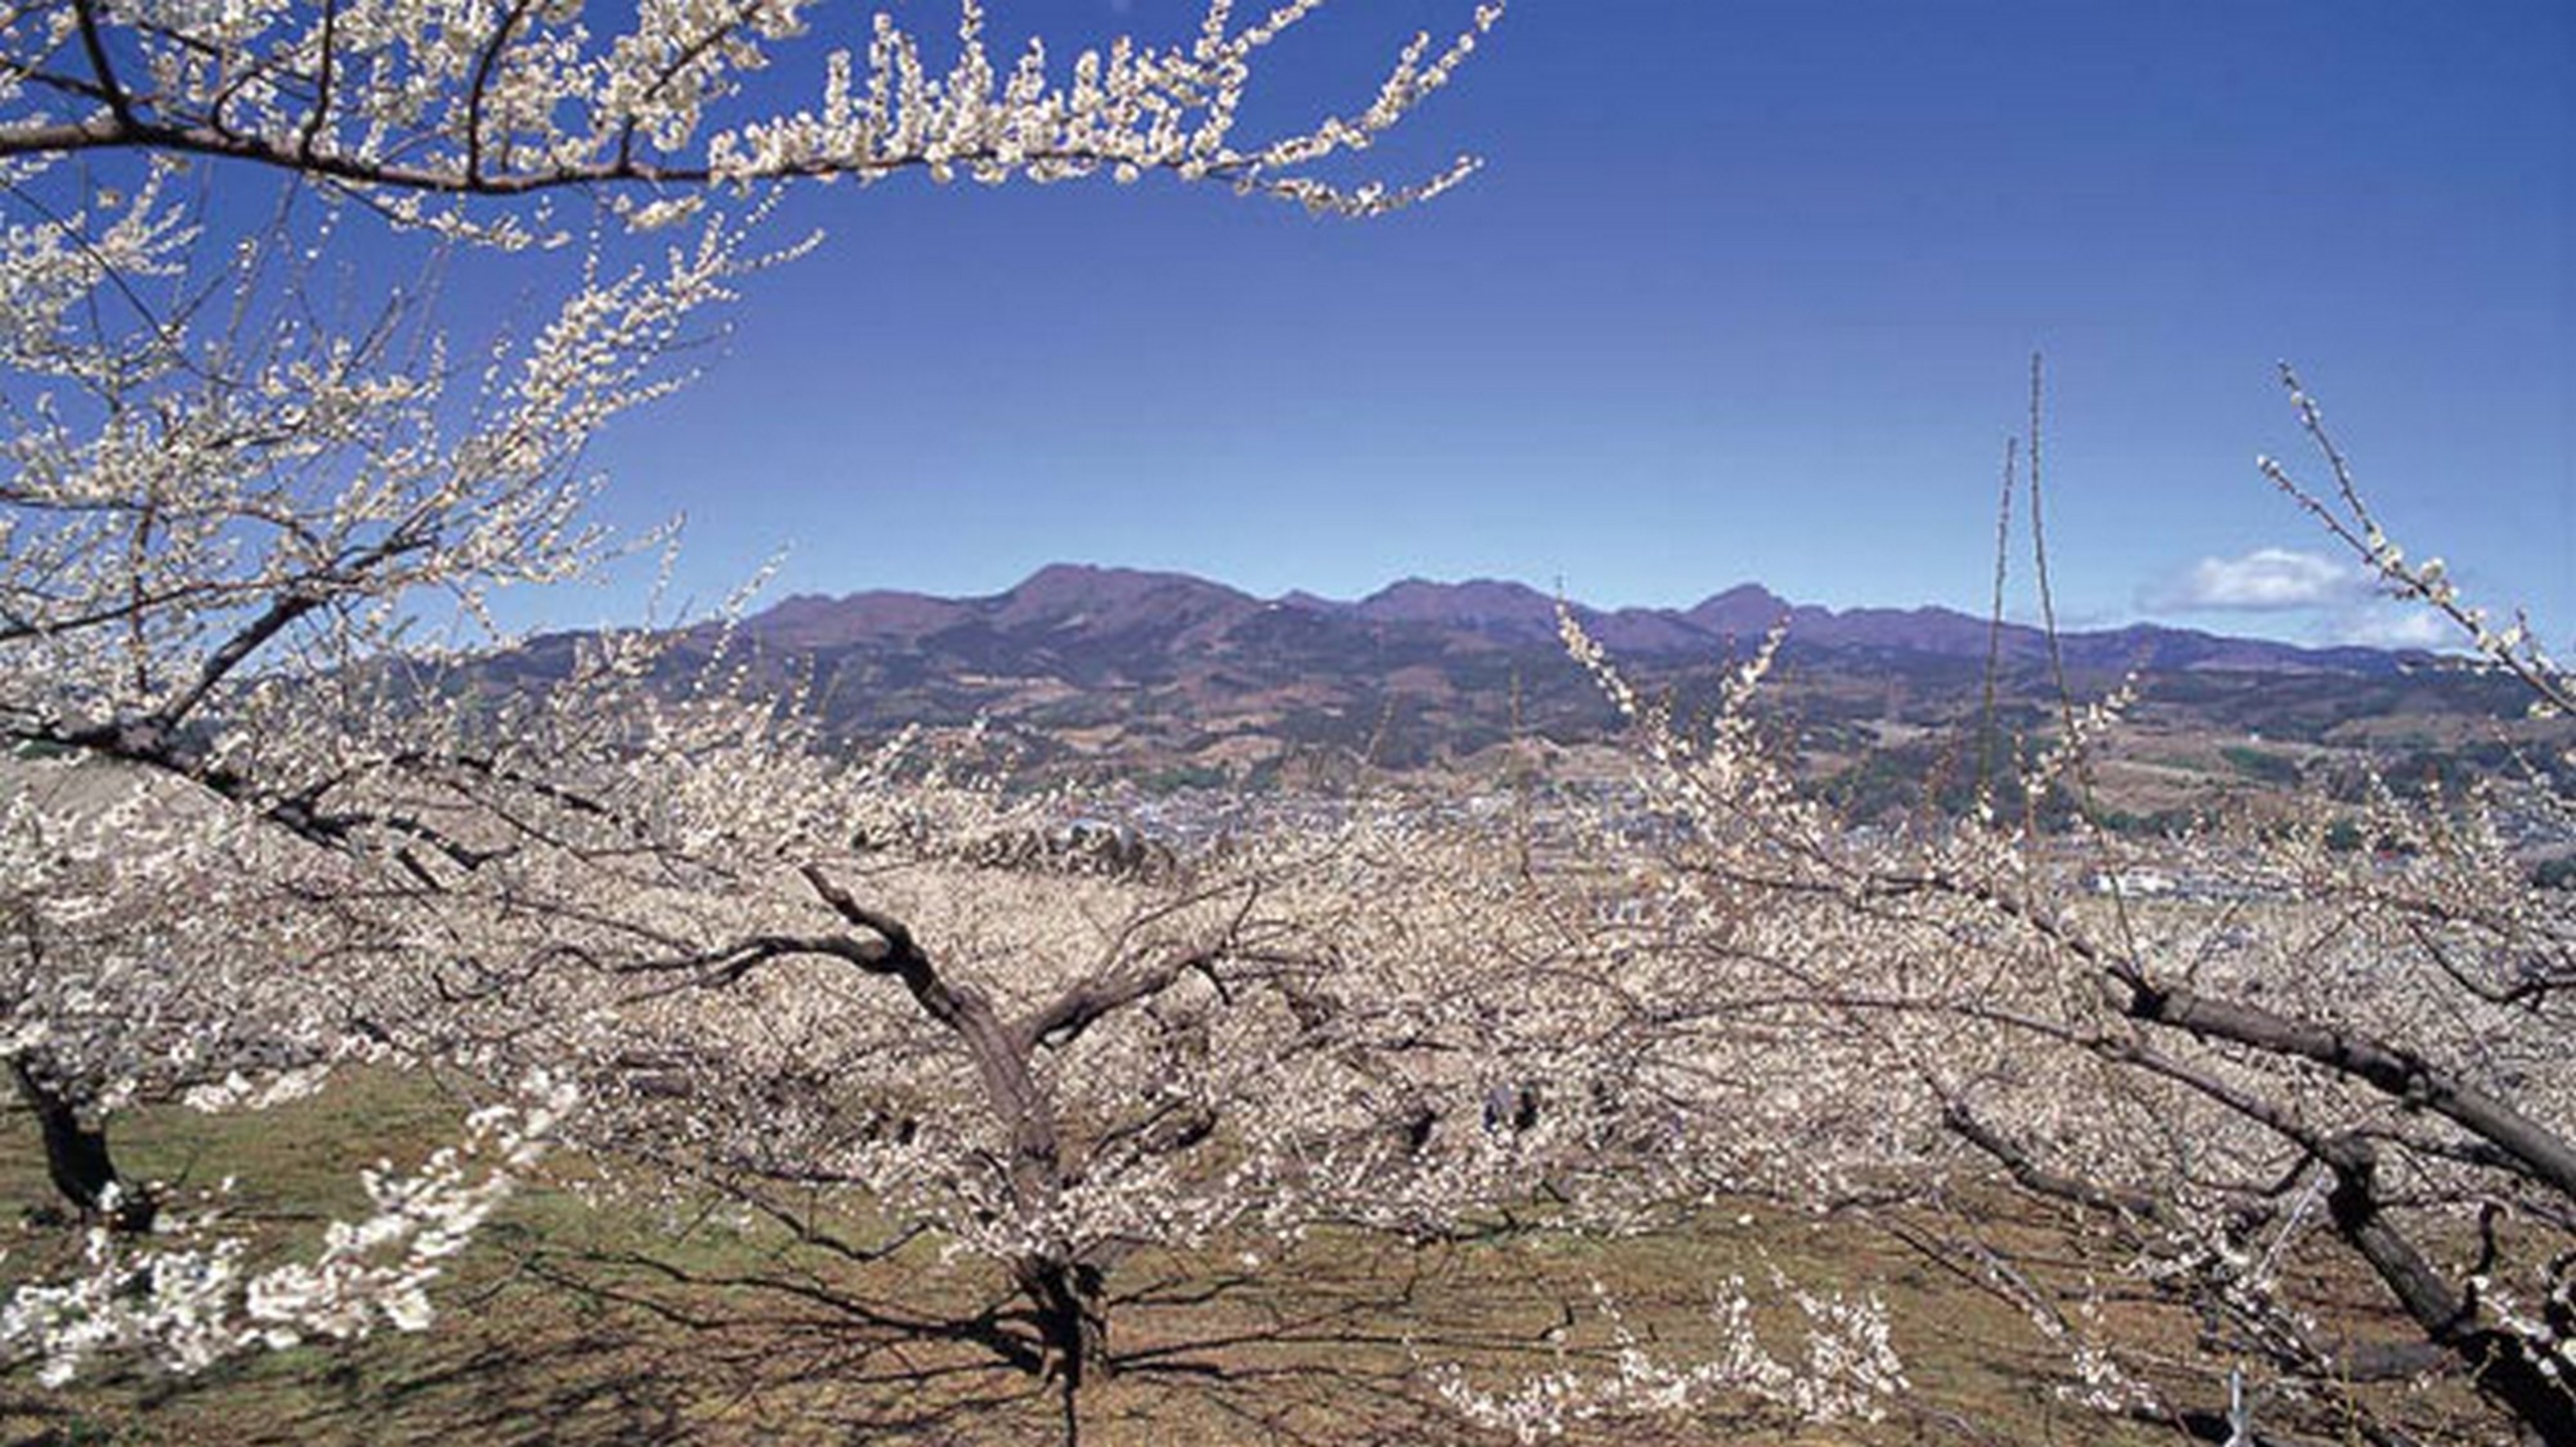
[2496, 1359]
[2501, 1136]
[77, 1158]
[1069, 1308]
[2396, 1072]
[1065, 1298]
[1071, 1313]
[2393, 1070]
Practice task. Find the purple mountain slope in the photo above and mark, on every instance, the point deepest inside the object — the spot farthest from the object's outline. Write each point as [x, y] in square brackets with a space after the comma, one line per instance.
[1168, 671]
[1073, 605]
[1480, 604]
[1063, 598]
[1747, 610]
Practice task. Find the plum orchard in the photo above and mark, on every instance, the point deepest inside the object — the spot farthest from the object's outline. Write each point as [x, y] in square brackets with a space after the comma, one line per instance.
[787, 981]
[2363, 1052]
[258, 829]
[226, 495]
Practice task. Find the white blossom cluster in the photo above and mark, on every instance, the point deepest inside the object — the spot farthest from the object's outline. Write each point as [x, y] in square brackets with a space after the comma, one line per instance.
[2513, 648]
[177, 511]
[407, 100]
[123, 997]
[185, 1306]
[1849, 1371]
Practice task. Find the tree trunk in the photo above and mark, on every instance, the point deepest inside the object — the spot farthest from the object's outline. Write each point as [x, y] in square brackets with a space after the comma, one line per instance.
[77, 1159]
[1073, 1327]
[2496, 1359]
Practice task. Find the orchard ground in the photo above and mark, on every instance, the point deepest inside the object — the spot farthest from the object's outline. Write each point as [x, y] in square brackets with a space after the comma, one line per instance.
[567, 1322]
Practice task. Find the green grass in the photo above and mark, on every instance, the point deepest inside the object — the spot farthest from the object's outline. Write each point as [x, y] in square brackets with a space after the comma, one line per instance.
[2262, 765]
[569, 1324]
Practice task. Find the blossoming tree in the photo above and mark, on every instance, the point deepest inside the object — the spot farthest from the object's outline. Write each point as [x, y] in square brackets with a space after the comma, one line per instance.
[2321, 1061]
[1375, 1028]
[226, 498]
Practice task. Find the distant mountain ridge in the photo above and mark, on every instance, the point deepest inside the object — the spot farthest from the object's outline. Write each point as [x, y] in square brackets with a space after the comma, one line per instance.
[1099, 604]
[1165, 676]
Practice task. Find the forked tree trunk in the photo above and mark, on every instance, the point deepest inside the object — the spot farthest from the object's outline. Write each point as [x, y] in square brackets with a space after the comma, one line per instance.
[1068, 1306]
[77, 1159]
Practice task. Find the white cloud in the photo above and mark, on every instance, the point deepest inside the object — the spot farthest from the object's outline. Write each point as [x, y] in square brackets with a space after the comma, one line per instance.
[2313, 598]
[2266, 580]
[2393, 625]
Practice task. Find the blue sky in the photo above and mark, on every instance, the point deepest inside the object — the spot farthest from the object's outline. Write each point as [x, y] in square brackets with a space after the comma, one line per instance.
[1746, 291]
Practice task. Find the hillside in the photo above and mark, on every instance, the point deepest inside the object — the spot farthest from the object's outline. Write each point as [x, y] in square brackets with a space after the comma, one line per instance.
[1176, 679]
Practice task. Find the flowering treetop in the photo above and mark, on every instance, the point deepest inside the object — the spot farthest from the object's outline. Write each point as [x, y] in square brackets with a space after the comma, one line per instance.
[417, 98]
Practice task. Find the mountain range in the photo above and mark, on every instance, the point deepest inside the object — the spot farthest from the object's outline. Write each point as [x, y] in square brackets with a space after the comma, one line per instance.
[1081, 608]
[1171, 679]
